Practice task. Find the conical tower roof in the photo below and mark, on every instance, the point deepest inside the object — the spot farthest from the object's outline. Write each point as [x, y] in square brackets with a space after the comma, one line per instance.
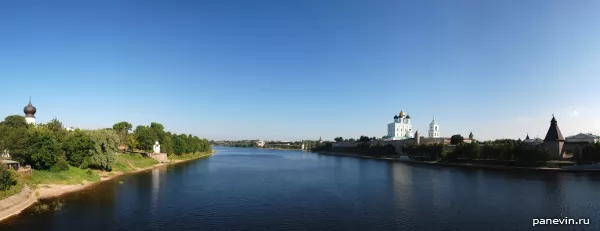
[554, 133]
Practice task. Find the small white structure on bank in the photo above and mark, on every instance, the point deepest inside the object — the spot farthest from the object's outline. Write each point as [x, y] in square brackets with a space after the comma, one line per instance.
[434, 129]
[401, 128]
[156, 148]
[30, 113]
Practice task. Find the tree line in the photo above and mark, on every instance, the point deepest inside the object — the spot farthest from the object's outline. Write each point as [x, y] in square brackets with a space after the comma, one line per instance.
[51, 147]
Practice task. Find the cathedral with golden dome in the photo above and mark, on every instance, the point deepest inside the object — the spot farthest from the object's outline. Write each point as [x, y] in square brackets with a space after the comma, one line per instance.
[401, 128]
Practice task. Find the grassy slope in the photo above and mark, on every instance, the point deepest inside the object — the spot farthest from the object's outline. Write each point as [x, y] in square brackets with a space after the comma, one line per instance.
[13, 189]
[190, 156]
[131, 162]
[72, 176]
[123, 163]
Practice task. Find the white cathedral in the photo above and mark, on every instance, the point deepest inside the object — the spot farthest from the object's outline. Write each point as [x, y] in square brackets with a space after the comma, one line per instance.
[401, 128]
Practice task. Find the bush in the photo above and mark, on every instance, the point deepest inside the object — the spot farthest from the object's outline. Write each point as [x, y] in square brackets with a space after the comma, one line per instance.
[61, 165]
[6, 179]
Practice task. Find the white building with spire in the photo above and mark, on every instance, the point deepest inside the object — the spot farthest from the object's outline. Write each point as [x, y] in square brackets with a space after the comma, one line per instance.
[401, 128]
[434, 129]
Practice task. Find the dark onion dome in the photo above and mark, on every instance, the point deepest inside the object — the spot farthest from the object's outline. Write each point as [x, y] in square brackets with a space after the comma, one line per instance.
[395, 116]
[29, 110]
[408, 116]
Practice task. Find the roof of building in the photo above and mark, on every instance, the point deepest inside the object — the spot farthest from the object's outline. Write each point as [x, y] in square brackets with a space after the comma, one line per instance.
[554, 133]
[583, 136]
[402, 113]
[29, 109]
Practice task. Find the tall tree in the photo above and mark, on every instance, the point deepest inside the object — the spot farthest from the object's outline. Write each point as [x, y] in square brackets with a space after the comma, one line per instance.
[145, 138]
[338, 139]
[122, 128]
[77, 146]
[43, 147]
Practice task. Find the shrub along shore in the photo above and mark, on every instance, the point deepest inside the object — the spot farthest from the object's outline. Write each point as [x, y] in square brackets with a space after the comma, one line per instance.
[80, 157]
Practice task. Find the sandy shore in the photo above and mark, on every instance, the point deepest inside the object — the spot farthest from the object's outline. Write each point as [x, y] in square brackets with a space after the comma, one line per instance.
[17, 203]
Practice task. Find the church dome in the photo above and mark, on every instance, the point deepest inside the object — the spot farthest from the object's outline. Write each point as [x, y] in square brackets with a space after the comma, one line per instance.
[402, 114]
[29, 110]
[408, 116]
[395, 116]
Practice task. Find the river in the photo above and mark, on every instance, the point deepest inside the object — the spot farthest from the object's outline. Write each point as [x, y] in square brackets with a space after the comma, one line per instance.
[255, 189]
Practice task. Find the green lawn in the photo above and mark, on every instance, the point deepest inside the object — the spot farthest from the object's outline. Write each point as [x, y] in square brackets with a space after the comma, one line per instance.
[190, 156]
[72, 176]
[127, 162]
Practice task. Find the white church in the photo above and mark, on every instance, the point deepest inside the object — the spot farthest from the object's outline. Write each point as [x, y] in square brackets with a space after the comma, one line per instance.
[402, 129]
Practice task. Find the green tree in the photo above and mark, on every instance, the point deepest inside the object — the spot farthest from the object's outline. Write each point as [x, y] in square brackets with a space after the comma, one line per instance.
[131, 142]
[122, 128]
[56, 127]
[14, 140]
[456, 139]
[43, 147]
[351, 140]
[77, 146]
[6, 179]
[15, 121]
[364, 139]
[106, 144]
[338, 139]
[145, 138]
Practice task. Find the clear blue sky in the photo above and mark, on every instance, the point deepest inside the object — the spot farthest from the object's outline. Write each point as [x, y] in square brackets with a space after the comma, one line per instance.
[302, 69]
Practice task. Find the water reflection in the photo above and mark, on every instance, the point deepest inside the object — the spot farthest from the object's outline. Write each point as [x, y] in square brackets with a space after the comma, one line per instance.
[325, 193]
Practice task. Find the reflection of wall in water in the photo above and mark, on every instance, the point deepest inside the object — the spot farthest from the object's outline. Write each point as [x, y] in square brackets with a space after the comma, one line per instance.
[402, 185]
[156, 175]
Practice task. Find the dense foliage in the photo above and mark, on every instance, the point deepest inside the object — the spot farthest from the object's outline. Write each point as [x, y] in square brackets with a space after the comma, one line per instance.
[456, 139]
[591, 153]
[51, 147]
[77, 146]
[6, 179]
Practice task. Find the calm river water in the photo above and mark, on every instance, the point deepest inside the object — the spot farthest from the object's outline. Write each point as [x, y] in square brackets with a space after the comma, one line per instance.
[252, 189]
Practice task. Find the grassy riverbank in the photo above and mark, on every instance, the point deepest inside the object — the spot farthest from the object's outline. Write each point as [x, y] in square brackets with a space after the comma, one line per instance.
[15, 189]
[190, 156]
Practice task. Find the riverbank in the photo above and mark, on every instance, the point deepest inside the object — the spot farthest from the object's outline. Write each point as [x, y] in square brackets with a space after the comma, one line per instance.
[30, 194]
[463, 165]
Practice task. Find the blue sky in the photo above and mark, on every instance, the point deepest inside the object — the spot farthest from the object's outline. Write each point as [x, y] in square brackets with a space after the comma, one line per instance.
[303, 69]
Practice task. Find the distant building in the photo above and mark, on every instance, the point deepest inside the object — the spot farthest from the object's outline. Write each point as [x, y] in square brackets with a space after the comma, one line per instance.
[535, 141]
[582, 137]
[70, 128]
[30, 111]
[401, 128]
[434, 129]
[554, 140]
[260, 143]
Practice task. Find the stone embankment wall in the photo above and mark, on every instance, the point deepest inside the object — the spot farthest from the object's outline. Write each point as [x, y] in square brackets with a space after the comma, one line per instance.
[16, 203]
[160, 157]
